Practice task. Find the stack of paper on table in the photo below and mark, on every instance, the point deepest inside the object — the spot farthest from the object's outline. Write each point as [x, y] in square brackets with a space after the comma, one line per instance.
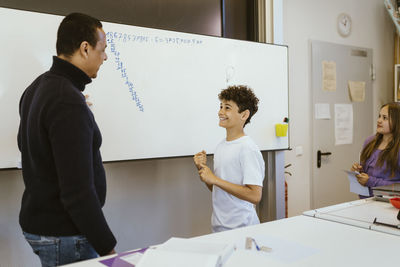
[178, 252]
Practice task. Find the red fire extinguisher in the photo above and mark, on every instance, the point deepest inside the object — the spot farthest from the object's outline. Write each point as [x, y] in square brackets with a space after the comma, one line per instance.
[286, 191]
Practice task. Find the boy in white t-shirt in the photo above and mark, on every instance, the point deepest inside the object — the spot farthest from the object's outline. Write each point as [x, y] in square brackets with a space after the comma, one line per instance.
[239, 168]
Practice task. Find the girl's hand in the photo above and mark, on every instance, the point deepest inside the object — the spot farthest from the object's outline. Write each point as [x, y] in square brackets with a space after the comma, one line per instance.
[356, 167]
[362, 178]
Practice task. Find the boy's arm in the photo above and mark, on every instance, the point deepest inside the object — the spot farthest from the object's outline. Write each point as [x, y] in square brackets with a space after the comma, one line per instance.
[209, 186]
[199, 159]
[250, 193]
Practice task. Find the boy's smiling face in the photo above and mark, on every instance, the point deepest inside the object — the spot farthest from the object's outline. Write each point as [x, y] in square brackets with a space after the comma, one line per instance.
[229, 115]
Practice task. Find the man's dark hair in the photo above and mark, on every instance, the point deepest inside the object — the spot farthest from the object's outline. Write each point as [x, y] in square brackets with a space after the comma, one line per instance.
[75, 29]
[244, 98]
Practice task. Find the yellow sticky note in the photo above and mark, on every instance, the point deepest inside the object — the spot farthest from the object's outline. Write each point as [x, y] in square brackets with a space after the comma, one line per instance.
[281, 129]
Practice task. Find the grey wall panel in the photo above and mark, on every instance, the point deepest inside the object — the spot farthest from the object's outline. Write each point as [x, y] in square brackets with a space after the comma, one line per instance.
[203, 17]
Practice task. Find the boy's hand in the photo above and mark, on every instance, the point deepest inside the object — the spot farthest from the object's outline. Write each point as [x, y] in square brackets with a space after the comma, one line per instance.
[362, 178]
[200, 158]
[206, 175]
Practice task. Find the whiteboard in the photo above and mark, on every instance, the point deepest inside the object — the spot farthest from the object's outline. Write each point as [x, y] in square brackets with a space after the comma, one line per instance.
[156, 95]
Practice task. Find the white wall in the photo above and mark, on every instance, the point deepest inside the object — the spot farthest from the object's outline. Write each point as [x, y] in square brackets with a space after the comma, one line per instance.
[307, 20]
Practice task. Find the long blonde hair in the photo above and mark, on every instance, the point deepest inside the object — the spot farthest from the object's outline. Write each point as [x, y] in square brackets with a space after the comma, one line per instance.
[390, 154]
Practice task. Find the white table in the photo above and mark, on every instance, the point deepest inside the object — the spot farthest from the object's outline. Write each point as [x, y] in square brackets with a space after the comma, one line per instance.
[371, 213]
[325, 243]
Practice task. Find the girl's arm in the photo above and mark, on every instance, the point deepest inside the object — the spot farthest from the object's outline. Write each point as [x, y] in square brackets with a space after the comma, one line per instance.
[250, 193]
[372, 181]
[385, 179]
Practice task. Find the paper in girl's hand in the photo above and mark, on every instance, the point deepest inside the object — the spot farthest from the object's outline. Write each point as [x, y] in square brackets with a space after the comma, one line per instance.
[355, 186]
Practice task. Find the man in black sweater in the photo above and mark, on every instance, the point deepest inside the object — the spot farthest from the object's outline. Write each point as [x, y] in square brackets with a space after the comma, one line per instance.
[65, 186]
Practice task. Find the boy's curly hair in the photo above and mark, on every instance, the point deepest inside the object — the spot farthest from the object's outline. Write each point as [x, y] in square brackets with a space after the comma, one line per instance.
[243, 96]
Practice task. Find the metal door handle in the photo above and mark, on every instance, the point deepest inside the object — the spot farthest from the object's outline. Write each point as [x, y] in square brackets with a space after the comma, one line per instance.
[319, 154]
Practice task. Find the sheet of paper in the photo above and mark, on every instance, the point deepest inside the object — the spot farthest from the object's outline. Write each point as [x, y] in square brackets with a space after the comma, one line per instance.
[133, 258]
[125, 259]
[167, 258]
[328, 75]
[357, 91]
[322, 111]
[343, 124]
[223, 250]
[178, 252]
[279, 249]
[355, 186]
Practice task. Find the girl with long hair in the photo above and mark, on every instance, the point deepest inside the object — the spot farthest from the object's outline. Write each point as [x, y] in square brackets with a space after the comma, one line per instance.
[379, 161]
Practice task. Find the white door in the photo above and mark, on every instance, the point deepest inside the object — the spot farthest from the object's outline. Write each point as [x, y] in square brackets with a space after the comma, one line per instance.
[329, 183]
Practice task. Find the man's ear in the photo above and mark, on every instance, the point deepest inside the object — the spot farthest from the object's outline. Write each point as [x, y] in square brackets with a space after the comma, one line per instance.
[84, 49]
[245, 115]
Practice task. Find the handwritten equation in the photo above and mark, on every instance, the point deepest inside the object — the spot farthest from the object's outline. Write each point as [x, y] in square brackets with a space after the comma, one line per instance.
[123, 37]
[120, 66]
[113, 38]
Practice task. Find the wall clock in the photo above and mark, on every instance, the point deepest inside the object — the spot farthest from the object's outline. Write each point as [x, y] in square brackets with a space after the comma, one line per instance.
[344, 24]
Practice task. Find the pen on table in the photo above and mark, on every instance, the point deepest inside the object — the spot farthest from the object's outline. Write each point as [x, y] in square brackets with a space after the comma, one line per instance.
[386, 224]
[255, 243]
[263, 248]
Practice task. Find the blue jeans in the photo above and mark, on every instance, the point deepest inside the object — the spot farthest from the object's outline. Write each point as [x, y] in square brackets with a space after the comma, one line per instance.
[54, 251]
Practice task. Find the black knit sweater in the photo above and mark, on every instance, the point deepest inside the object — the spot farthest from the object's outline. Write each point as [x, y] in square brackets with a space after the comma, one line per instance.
[65, 185]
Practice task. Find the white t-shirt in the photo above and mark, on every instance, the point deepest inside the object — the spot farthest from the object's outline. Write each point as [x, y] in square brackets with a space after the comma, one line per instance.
[239, 162]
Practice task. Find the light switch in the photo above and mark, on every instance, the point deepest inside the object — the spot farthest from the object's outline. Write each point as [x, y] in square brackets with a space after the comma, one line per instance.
[299, 150]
